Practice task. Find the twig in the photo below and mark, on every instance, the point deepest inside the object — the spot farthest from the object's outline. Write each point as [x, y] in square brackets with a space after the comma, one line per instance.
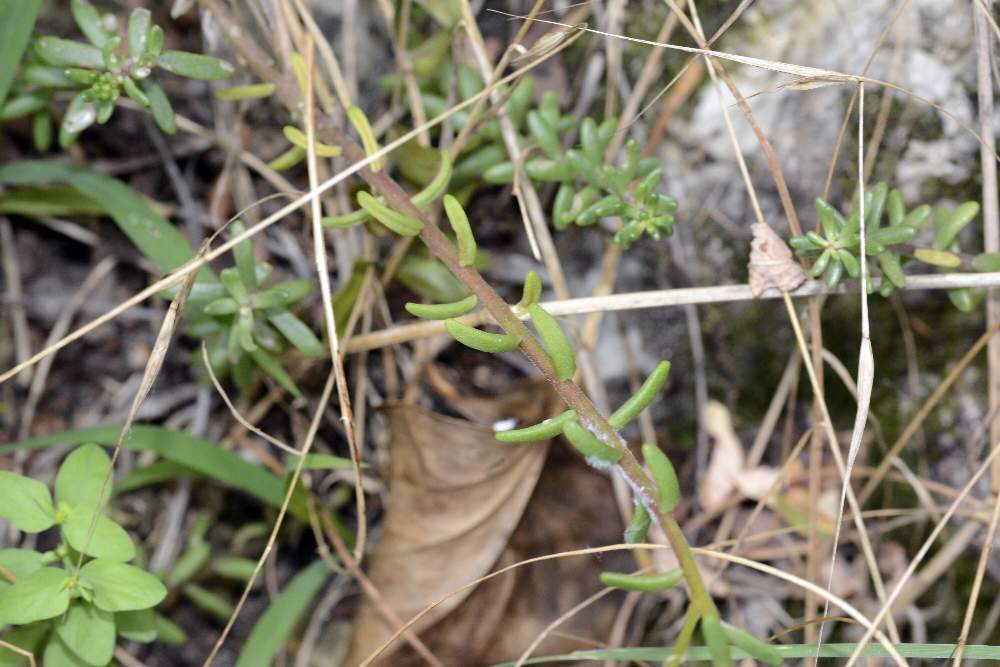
[991, 210]
[665, 298]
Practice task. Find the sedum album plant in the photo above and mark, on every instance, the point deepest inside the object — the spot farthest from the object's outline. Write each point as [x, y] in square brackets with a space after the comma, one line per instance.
[71, 603]
[889, 231]
[589, 188]
[99, 71]
[244, 318]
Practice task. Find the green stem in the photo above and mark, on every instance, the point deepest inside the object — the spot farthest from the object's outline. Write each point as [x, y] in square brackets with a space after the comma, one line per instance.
[684, 636]
[572, 395]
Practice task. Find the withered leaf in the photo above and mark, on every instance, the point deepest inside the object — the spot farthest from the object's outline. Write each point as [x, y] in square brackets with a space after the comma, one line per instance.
[771, 262]
[456, 496]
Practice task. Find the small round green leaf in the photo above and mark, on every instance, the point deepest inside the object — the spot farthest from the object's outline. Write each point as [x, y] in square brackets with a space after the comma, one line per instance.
[109, 540]
[88, 632]
[26, 503]
[40, 595]
[120, 587]
[81, 477]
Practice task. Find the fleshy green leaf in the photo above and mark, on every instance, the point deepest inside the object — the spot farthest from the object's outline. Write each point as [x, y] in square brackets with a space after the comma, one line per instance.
[297, 333]
[430, 279]
[139, 23]
[88, 632]
[81, 477]
[163, 112]
[120, 587]
[282, 615]
[67, 53]
[642, 582]
[42, 594]
[195, 65]
[987, 261]
[89, 21]
[947, 224]
[251, 92]
[26, 503]
[109, 540]
[271, 366]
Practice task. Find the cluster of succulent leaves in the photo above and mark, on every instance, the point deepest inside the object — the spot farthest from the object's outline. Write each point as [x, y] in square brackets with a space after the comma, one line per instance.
[889, 228]
[588, 188]
[71, 603]
[99, 72]
[243, 319]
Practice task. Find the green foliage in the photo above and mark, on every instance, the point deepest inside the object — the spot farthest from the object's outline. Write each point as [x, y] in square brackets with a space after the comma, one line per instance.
[17, 20]
[153, 234]
[100, 71]
[549, 428]
[240, 318]
[556, 342]
[590, 187]
[649, 583]
[889, 228]
[663, 473]
[593, 449]
[275, 624]
[70, 617]
[442, 311]
[197, 454]
[639, 401]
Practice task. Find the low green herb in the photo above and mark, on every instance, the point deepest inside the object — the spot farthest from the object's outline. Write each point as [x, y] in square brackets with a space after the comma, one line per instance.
[99, 72]
[70, 615]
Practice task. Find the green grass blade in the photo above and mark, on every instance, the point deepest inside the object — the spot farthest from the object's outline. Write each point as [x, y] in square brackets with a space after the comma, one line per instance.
[17, 19]
[201, 456]
[153, 234]
[787, 651]
[275, 624]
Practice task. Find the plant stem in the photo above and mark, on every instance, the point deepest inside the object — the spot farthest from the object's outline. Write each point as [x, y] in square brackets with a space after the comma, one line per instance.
[572, 395]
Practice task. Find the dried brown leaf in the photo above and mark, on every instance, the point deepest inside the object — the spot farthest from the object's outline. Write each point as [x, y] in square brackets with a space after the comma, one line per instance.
[772, 263]
[456, 496]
